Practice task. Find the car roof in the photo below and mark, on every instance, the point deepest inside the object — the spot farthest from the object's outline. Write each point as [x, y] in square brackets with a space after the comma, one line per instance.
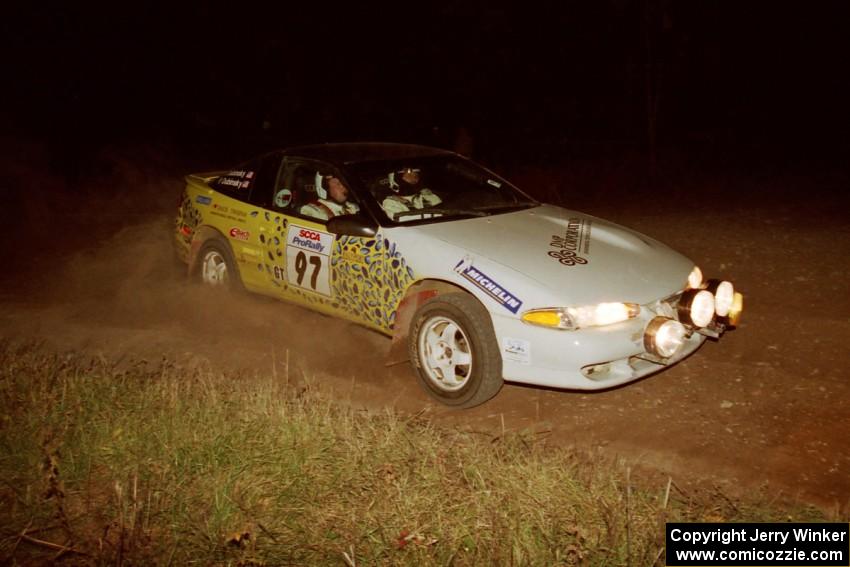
[354, 152]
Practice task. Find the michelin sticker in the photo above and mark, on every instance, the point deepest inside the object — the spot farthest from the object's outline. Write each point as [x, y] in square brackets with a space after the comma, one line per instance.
[516, 350]
[307, 258]
[486, 284]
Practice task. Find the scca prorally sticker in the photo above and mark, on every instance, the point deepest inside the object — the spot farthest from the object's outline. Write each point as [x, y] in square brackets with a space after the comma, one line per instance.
[307, 258]
[576, 239]
[309, 239]
[486, 284]
[203, 200]
[517, 350]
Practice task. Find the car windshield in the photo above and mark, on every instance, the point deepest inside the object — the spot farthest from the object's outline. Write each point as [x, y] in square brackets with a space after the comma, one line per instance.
[437, 188]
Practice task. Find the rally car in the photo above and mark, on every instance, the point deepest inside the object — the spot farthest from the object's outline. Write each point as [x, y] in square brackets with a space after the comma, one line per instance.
[475, 281]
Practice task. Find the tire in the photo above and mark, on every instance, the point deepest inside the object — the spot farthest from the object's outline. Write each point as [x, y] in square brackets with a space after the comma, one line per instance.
[216, 267]
[454, 350]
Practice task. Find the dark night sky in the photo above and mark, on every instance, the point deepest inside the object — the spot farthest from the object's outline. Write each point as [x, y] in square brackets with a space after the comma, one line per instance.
[761, 74]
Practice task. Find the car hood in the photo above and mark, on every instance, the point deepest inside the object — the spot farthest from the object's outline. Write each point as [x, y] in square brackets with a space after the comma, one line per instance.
[579, 258]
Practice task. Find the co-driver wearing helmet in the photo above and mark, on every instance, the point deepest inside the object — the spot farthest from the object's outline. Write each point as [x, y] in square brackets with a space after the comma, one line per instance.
[408, 193]
[331, 202]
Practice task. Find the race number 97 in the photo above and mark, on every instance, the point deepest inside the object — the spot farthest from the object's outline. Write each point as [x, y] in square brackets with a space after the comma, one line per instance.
[308, 270]
[301, 262]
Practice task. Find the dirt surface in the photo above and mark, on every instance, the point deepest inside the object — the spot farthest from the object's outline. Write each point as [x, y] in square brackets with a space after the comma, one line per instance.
[765, 407]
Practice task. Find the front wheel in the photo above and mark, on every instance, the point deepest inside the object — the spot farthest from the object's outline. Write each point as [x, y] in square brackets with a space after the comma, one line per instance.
[454, 350]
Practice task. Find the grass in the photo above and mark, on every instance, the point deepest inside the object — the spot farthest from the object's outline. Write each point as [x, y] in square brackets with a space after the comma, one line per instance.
[123, 462]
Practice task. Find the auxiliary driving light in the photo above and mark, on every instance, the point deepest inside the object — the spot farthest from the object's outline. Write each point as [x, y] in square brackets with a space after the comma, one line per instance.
[724, 295]
[695, 278]
[696, 307]
[664, 336]
[734, 316]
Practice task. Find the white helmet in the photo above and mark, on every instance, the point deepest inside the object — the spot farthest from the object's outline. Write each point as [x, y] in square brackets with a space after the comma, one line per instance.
[320, 187]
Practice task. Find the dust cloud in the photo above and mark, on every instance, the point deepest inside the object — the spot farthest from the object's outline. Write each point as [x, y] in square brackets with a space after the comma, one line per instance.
[94, 269]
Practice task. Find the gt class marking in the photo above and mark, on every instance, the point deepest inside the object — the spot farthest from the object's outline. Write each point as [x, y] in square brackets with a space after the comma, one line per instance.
[486, 284]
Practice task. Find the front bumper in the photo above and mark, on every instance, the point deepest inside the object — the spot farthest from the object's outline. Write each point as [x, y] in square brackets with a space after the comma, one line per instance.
[587, 359]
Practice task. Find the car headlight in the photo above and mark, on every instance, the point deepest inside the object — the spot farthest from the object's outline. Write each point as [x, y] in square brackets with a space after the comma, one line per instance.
[571, 318]
[695, 278]
[696, 307]
[724, 295]
[664, 336]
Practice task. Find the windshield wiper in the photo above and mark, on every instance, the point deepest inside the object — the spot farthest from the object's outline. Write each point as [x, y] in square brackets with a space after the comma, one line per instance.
[439, 211]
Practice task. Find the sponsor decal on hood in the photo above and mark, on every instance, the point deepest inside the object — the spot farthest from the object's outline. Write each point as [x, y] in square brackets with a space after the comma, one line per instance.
[576, 239]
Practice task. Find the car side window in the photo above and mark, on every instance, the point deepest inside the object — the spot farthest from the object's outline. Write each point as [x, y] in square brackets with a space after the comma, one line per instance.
[268, 171]
[251, 182]
[237, 182]
[295, 187]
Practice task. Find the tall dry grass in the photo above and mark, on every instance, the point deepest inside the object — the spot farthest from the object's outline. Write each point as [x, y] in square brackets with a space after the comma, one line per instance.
[141, 462]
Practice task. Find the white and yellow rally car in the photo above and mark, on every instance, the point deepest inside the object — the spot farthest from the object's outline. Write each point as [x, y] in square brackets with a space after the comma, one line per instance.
[480, 282]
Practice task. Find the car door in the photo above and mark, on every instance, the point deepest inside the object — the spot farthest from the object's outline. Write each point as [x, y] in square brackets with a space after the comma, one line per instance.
[309, 265]
[298, 248]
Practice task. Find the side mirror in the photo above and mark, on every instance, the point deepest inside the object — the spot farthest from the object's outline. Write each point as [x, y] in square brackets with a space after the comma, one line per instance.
[352, 225]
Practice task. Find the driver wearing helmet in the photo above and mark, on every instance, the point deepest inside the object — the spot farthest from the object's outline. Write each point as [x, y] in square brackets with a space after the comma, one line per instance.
[408, 193]
[332, 199]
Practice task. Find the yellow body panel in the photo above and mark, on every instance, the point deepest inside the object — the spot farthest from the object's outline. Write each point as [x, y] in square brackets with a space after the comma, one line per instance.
[296, 259]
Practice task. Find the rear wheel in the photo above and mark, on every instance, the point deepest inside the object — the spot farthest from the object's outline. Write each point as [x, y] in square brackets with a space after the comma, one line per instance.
[216, 267]
[454, 350]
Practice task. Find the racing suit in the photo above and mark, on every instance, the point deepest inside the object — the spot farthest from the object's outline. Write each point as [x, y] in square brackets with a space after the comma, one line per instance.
[324, 209]
[419, 200]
